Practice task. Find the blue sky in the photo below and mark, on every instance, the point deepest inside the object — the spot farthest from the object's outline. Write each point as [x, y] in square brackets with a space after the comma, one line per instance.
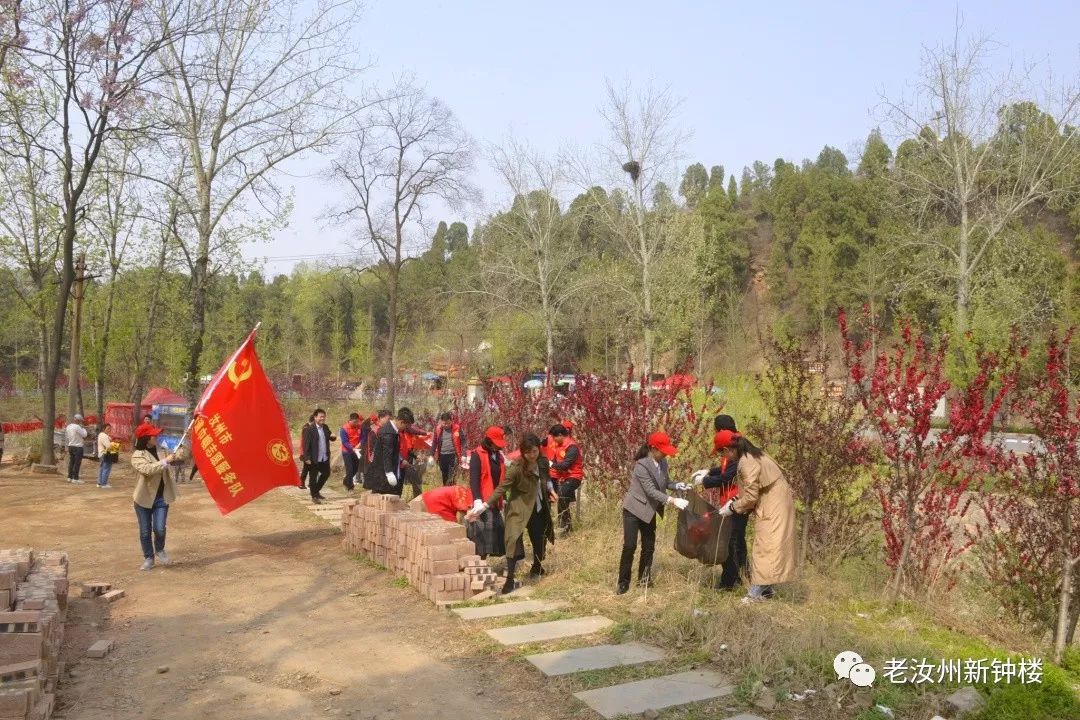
[758, 81]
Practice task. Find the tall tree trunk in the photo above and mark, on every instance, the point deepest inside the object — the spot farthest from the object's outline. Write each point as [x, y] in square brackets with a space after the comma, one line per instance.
[142, 370]
[1068, 568]
[804, 539]
[391, 340]
[103, 346]
[75, 347]
[963, 280]
[198, 318]
[56, 332]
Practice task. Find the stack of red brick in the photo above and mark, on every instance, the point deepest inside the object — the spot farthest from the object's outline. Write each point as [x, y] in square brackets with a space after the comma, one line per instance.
[434, 554]
[33, 606]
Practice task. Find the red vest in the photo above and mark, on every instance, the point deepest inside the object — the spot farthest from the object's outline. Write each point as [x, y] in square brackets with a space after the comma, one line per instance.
[548, 449]
[487, 482]
[436, 438]
[576, 471]
[353, 434]
[447, 502]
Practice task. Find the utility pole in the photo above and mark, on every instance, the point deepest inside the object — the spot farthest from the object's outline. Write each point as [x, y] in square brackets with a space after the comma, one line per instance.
[75, 362]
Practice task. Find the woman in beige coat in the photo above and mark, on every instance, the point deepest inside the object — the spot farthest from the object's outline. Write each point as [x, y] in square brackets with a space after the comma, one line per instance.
[763, 491]
[154, 492]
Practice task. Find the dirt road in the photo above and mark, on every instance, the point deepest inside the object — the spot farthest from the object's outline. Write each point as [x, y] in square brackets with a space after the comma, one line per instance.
[260, 615]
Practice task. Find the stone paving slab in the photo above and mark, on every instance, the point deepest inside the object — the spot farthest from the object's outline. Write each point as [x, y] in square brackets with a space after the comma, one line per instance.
[656, 693]
[505, 609]
[540, 632]
[598, 657]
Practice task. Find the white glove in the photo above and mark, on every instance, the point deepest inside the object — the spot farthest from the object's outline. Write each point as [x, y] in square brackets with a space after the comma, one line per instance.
[699, 476]
[356, 451]
[392, 479]
[478, 507]
[728, 510]
[682, 487]
[464, 459]
[680, 503]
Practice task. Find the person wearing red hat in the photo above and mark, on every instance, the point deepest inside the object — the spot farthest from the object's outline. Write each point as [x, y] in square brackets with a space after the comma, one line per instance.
[644, 500]
[486, 471]
[155, 491]
[765, 492]
[719, 487]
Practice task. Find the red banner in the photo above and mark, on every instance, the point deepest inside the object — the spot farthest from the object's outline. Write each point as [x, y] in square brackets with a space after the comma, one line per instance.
[240, 441]
[33, 425]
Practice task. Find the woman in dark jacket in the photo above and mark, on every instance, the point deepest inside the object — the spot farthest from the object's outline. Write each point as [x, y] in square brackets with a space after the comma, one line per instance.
[720, 486]
[644, 500]
[486, 471]
[528, 491]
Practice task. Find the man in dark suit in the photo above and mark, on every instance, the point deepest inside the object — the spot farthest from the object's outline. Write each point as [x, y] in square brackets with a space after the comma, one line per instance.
[384, 473]
[316, 452]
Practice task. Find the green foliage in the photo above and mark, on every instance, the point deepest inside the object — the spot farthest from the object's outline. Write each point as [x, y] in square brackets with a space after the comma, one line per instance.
[695, 183]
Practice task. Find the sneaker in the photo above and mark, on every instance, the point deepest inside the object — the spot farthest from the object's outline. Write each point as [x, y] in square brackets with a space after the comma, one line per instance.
[77, 481]
[163, 557]
[105, 487]
[751, 600]
[148, 564]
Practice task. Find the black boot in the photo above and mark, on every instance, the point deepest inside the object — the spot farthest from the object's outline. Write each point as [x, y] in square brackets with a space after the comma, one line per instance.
[537, 570]
[509, 585]
[622, 588]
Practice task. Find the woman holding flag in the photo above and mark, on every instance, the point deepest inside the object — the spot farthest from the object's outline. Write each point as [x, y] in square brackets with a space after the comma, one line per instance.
[155, 490]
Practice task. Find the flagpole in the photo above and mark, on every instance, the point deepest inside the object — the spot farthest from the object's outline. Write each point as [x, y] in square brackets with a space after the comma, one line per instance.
[195, 415]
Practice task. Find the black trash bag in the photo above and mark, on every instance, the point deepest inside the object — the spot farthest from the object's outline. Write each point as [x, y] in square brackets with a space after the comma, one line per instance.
[702, 534]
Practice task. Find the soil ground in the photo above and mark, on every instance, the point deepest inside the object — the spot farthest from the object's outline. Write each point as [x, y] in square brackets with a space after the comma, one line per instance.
[260, 615]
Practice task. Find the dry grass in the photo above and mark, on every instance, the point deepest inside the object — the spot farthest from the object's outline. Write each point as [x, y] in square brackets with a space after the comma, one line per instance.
[790, 643]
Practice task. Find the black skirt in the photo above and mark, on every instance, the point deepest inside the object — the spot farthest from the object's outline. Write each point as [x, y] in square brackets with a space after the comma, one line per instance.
[488, 533]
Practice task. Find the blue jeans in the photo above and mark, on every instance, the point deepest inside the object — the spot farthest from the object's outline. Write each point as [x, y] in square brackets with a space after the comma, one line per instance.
[152, 519]
[103, 472]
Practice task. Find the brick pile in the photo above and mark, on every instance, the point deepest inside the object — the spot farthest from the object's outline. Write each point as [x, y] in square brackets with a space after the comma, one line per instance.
[33, 606]
[434, 554]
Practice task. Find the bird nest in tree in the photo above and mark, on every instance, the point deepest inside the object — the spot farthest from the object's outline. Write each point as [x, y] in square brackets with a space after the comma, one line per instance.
[632, 167]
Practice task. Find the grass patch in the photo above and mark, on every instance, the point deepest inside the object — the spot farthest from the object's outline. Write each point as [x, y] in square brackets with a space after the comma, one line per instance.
[790, 644]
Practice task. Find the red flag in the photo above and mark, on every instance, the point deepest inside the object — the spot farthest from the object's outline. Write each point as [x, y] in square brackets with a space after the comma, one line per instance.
[240, 441]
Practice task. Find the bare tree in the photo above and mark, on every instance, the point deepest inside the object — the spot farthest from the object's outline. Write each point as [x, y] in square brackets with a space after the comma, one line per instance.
[643, 143]
[981, 151]
[407, 152]
[529, 256]
[113, 222]
[259, 85]
[86, 66]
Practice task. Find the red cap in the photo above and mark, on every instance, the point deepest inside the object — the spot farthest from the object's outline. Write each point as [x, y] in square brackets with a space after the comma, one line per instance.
[147, 430]
[660, 441]
[723, 439]
[567, 424]
[496, 436]
[373, 417]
